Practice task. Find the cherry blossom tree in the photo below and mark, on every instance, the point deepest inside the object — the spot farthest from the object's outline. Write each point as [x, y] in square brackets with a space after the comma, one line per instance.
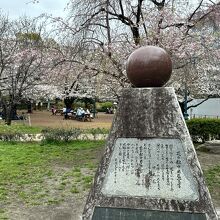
[22, 61]
[96, 39]
[107, 31]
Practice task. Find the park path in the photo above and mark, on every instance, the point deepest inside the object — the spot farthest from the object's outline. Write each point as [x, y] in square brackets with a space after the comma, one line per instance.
[46, 119]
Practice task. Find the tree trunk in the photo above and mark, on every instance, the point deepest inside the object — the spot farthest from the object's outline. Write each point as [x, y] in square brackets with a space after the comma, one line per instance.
[48, 105]
[136, 35]
[68, 101]
[29, 107]
[8, 114]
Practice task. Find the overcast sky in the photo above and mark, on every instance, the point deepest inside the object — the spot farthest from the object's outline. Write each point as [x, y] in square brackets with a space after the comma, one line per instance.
[17, 8]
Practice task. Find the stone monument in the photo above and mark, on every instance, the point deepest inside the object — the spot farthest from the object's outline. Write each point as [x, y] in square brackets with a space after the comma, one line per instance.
[149, 170]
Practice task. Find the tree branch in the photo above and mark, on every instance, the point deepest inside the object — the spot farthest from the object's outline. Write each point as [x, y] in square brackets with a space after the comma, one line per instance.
[160, 5]
[191, 16]
[193, 106]
[139, 12]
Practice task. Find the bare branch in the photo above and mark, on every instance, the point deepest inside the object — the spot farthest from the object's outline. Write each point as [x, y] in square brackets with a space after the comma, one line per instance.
[193, 106]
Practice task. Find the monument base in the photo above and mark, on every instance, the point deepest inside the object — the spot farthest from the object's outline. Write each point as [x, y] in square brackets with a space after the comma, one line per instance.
[101, 213]
[149, 168]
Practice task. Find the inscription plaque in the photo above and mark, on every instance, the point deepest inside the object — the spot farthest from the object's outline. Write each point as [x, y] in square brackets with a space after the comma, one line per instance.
[155, 167]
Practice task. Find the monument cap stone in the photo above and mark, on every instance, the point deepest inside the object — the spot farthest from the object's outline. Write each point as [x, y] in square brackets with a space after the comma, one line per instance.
[149, 66]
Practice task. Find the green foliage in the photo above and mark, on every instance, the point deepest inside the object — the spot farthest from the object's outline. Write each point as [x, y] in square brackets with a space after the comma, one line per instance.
[3, 215]
[74, 190]
[58, 105]
[87, 181]
[59, 134]
[88, 102]
[28, 36]
[10, 136]
[96, 131]
[78, 104]
[204, 129]
[102, 107]
[212, 176]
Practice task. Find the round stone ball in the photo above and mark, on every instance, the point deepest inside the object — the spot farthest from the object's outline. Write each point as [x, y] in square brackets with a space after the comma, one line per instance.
[149, 66]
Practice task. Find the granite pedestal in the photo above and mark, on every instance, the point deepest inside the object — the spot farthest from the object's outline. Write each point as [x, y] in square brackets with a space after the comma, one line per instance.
[149, 169]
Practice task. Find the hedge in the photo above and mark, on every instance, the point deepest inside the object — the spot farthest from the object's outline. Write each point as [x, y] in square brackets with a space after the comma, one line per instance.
[204, 129]
[104, 105]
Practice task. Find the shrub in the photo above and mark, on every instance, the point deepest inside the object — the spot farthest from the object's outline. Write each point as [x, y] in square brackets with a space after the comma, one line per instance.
[59, 134]
[97, 131]
[203, 129]
[78, 104]
[10, 136]
[103, 106]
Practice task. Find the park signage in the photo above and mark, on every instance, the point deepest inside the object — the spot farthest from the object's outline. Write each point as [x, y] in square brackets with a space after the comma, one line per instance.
[149, 170]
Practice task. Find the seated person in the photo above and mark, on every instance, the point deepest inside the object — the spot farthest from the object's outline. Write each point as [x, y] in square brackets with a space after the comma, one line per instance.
[80, 112]
[87, 112]
[53, 110]
[66, 112]
[111, 110]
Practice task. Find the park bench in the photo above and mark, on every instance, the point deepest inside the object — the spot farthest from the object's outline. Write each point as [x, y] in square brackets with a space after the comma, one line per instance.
[86, 117]
[59, 111]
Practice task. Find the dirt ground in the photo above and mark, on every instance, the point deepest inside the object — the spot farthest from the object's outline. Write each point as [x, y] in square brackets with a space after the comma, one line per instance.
[70, 209]
[45, 119]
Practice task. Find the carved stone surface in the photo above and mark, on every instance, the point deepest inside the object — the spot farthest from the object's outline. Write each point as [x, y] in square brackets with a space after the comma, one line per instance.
[155, 168]
[143, 115]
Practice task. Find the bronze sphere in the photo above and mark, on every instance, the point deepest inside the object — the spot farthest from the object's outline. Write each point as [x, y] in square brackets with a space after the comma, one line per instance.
[149, 66]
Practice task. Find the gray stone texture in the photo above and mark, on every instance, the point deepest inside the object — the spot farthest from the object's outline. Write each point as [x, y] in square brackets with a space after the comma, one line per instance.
[157, 167]
[146, 113]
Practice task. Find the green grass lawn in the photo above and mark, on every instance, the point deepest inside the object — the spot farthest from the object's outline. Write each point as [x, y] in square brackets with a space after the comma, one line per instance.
[212, 176]
[37, 174]
[18, 128]
[48, 173]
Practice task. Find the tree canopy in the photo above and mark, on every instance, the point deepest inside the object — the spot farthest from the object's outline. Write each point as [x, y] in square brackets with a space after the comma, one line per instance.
[106, 32]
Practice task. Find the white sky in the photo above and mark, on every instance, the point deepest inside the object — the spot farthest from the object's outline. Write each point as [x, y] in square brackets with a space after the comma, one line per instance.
[16, 8]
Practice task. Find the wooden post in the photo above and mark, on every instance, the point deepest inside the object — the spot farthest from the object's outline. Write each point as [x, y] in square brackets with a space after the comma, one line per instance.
[29, 120]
